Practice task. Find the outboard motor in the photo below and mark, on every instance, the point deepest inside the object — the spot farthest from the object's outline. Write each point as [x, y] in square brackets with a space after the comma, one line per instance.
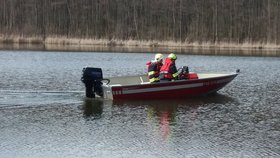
[92, 78]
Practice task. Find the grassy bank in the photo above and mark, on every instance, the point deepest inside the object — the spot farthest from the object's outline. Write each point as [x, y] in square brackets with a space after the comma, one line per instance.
[76, 44]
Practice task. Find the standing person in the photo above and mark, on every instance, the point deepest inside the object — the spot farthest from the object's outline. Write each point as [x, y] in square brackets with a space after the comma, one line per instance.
[169, 71]
[154, 68]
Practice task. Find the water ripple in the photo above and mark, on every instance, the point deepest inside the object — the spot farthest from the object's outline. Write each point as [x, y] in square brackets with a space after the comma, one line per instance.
[43, 112]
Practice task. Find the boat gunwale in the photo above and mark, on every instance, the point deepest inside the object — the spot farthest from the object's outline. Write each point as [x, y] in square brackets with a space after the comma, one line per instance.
[173, 83]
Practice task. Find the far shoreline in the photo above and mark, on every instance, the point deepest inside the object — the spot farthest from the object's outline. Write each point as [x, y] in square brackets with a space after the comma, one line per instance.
[114, 45]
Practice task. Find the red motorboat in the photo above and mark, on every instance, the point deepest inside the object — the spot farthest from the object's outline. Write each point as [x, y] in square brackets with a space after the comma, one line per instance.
[137, 87]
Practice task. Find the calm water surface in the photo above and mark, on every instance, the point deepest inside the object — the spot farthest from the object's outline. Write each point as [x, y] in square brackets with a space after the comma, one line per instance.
[43, 112]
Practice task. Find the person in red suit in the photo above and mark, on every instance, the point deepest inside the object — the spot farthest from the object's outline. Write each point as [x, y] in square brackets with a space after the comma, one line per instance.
[169, 71]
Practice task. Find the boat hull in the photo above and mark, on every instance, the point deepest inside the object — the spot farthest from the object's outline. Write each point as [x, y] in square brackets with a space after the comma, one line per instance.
[170, 89]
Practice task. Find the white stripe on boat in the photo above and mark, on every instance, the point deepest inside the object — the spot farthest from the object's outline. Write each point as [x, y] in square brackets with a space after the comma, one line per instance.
[225, 80]
[155, 89]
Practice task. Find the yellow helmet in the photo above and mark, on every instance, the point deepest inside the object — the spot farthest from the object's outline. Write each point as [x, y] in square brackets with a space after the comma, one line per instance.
[158, 57]
[172, 56]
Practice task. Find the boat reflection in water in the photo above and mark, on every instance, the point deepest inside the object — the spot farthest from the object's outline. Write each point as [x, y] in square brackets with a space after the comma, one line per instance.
[166, 116]
[162, 115]
[92, 108]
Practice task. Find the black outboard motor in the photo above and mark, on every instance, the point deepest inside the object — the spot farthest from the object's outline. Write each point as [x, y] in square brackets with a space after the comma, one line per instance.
[92, 78]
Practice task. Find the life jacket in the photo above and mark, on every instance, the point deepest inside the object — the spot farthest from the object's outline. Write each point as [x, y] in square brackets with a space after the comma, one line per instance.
[153, 71]
[168, 70]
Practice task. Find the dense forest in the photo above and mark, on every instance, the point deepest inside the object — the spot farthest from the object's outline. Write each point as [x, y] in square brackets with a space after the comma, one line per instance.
[215, 21]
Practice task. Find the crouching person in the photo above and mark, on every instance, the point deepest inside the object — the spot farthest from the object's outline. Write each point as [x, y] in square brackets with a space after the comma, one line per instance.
[154, 68]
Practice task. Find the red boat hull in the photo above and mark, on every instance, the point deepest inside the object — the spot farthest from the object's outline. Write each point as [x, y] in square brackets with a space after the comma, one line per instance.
[173, 89]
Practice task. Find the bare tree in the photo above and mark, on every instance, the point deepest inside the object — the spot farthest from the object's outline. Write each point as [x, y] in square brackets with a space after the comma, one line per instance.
[178, 20]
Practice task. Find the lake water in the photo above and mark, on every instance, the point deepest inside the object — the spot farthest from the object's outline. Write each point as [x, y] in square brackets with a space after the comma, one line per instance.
[44, 112]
